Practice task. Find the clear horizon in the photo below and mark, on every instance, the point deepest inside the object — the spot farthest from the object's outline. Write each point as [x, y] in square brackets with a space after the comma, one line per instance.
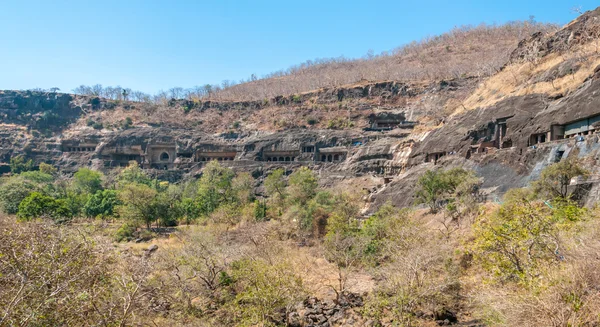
[153, 46]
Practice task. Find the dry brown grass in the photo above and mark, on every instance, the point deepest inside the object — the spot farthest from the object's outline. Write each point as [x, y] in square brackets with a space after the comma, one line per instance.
[467, 50]
[523, 78]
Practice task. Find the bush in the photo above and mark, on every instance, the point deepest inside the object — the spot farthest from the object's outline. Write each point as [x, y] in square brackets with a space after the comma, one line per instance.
[55, 277]
[12, 192]
[522, 235]
[555, 179]
[48, 169]
[126, 124]
[37, 177]
[125, 233]
[19, 165]
[102, 204]
[260, 210]
[311, 121]
[37, 205]
[261, 291]
[437, 187]
[87, 180]
[303, 185]
[97, 125]
[339, 123]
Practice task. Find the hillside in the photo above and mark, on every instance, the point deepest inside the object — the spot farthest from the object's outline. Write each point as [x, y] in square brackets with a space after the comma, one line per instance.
[466, 51]
[401, 190]
[477, 51]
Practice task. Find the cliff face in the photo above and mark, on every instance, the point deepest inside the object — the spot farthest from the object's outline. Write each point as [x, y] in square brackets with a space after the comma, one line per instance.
[541, 108]
[334, 128]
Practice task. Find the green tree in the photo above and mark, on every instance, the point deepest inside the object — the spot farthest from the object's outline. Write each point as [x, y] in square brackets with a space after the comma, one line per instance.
[167, 206]
[133, 174]
[48, 169]
[243, 186]
[137, 207]
[102, 204]
[275, 183]
[303, 185]
[12, 191]
[38, 205]
[87, 181]
[432, 186]
[344, 247]
[37, 177]
[260, 210]
[19, 165]
[522, 234]
[555, 179]
[189, 209]
[214, 187]
[435, 186]
[389, 231]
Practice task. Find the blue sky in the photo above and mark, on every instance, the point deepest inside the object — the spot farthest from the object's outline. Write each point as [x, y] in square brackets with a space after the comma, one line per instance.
[152, 45]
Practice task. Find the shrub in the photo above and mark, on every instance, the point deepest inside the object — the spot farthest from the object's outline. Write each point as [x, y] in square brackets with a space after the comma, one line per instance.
[12, 192]
[522, 235]
[260, 210]
[262, 290]
[97, 125]
[311, 121]
[127, 123]
[555, 179]
[436, 187]
[55, 277]
[48, 169]
[87, 180]
[37, 205]
[303, 185]
[125, 233]
[102, 204]
[37, 177]
[339, 123]
[19, 165]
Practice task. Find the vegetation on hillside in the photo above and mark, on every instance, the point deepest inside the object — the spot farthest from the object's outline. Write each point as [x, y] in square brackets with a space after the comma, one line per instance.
[226, 257]
[464, 51]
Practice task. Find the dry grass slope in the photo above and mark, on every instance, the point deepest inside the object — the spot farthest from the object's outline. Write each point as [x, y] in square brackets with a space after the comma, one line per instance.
[464, 51]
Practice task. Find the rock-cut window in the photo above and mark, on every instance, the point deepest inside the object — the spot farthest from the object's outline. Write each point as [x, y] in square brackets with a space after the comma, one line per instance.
[164, 156]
